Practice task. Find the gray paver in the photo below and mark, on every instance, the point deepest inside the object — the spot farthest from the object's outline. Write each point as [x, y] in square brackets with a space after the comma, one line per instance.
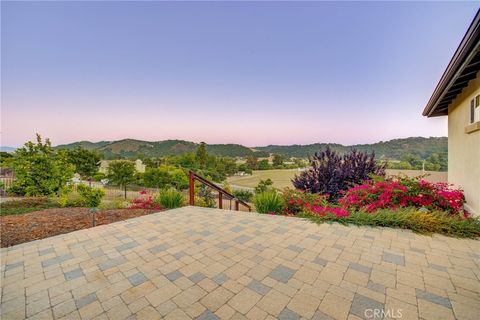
[258, 287]
[172, 276]
[433, 298]
[282, 273]
[394, 258]
[361, 303]
[137, 278]
[360, 267]
[208, 315]
[74, 274]
[83, 301]
[197, 277]
[288, 314]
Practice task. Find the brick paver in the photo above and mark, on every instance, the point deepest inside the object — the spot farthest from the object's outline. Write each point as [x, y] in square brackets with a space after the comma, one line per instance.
[197, 263]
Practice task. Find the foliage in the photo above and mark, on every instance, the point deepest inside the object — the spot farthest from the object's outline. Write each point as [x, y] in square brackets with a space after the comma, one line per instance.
[26, 205]
[144, 201]
[204, 197]
[116, 203]
[121, 173]
[165, 176]
[297, 201]
[277, 160]
[404, 192]
[86, 162]
[39, 169]
[92, 197]
[5, 158]
[435, 162]
[244, 195]
[252, 163]
[201, 155]
[263, 164]
[264, 185]
[333, 174]
[409, 218]
[269, 202]
[170, 198]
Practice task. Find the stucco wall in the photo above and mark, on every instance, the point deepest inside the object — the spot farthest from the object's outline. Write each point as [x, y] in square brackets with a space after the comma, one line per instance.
[463, 148]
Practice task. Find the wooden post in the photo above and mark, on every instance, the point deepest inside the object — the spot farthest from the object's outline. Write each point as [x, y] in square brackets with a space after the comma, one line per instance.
[236, 205]
[192, 189]
[220, 200]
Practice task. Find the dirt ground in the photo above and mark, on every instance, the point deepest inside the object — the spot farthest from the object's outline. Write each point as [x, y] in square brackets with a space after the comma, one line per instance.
[16, 229]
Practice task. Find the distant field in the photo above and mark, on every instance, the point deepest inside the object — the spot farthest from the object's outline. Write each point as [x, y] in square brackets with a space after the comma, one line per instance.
[282, 178]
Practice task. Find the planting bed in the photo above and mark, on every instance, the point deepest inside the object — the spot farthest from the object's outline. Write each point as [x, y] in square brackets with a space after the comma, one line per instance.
[16, 229]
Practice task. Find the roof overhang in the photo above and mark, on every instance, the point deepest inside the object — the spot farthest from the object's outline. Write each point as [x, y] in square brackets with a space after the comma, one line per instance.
[463, 67]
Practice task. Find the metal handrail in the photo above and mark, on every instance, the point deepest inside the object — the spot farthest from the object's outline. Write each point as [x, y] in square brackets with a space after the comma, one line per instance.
[221, 192]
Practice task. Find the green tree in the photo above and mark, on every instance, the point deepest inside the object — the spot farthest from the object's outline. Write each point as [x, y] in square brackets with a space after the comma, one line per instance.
[86, 162]
[252, 163]
[263, 165]
[277, 160]
[201, 156]
[39, 170]
[122, 173]
[264, 185]
[5, 159]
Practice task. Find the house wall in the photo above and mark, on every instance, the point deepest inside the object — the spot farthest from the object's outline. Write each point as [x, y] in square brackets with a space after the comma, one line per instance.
[464, 148]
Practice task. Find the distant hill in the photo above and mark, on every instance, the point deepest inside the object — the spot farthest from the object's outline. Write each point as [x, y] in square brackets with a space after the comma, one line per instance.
[392, 149]
[7, 149]
[130, 148]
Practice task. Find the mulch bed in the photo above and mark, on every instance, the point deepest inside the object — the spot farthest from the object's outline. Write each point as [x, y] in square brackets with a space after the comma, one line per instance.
[16, 229]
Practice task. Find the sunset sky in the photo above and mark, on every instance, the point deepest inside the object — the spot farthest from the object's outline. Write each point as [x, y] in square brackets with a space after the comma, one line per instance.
[225, 72]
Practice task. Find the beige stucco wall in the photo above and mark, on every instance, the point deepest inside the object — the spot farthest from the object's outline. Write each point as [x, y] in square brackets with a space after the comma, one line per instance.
[463, 148]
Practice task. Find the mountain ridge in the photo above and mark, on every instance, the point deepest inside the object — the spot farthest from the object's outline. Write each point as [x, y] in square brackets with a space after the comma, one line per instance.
[393, 149]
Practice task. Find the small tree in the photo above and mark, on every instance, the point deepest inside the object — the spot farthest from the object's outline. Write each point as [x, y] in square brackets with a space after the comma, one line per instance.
[333, 174]
[122, 173]
[201, 156]
[252, 162]
[86, 162]
[39, 170]
[264, 185]
[263, 165]
[277, 160]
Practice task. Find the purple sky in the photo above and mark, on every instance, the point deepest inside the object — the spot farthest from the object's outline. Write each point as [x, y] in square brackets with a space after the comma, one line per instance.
[249, 73]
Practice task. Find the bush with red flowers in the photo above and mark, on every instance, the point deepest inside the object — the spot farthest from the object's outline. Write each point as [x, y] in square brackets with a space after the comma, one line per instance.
[297, 202]
[404, 192]
[144, 201]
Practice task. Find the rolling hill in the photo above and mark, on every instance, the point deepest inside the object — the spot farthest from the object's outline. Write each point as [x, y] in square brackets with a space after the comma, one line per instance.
[131, 148]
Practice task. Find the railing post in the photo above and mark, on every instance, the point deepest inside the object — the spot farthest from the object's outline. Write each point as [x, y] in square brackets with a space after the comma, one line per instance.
[220, 200]
[236, 205]
[192, 189]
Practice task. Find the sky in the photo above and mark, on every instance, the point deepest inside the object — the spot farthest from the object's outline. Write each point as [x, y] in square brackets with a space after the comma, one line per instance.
[254, 73]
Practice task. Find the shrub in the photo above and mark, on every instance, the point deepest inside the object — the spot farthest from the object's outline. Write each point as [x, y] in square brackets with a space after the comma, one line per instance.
[409, 218]
[297, 201]
[333, 174]
[404, 192]
[264, 185]
[269, 202]
[144, 201]
[117, 203]
[39, 169]
[244, 195]
[92, 197]
[170, 198]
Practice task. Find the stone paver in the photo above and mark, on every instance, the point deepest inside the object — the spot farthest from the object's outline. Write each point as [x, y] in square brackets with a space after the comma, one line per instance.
[198, 263]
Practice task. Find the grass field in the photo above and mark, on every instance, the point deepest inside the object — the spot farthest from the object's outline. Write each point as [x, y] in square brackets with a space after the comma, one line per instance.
[282, 178]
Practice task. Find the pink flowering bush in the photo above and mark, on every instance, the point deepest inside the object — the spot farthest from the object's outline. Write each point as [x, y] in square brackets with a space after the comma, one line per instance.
[144, 201]
[297, 201]
[404, 192]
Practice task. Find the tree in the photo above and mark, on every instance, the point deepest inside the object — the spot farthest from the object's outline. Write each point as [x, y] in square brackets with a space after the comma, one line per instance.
[263, 165]
[39, 170]
[277, 160]
[201, 156]
[264, 185]
[86, 162]
[5, 159]
[122, 173]
[252, 162]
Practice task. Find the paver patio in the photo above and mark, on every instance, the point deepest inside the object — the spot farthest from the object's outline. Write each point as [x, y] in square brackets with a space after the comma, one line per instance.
[208, 264]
